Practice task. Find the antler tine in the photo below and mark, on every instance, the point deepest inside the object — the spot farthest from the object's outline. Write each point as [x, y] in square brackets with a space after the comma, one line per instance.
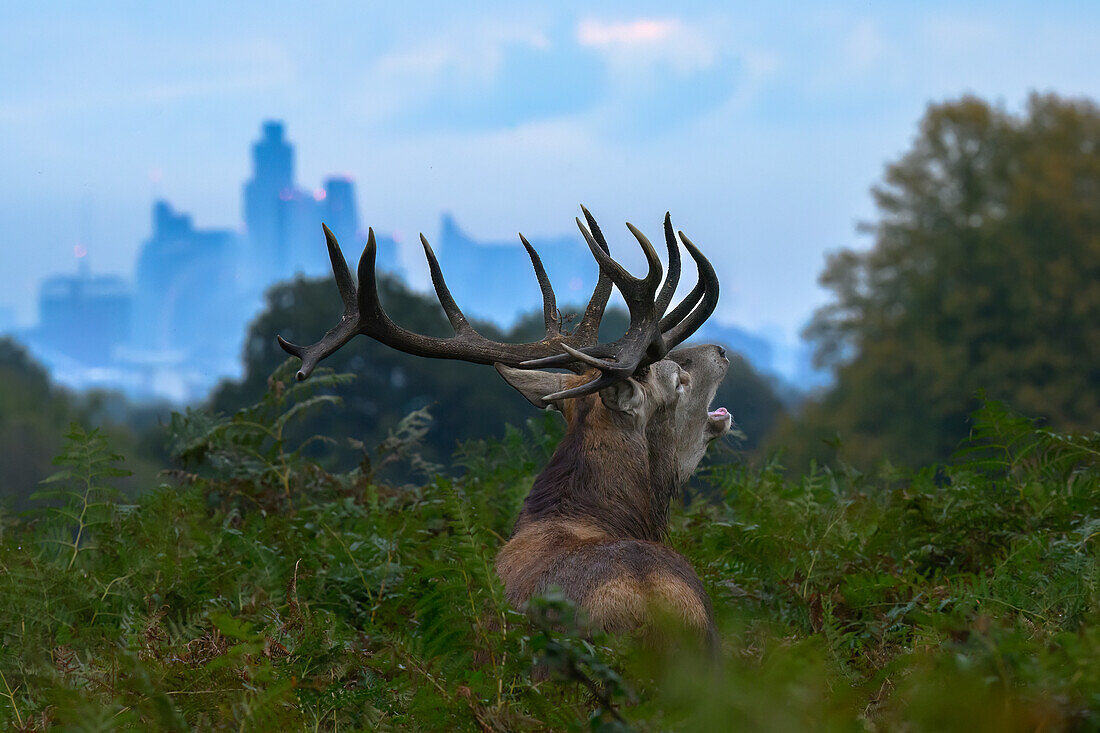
[340, 270]
[604, 380]
[595, 228]
[292, 349]
[648, 285]
[370, 307]
[682, 325]
[673, 279]
[348, 326]
[450, 307]
[614, 270]
[550, 314]
[588, 330]
[683, 307]
[602, 364]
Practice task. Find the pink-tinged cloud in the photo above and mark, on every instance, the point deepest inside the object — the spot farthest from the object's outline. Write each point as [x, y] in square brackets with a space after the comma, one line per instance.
[686, 47]
[632, 32]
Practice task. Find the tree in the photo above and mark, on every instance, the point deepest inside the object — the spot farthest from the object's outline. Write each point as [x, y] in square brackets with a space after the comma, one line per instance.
[32, 419]
[466, 400]
[35, 415]
[984, 276]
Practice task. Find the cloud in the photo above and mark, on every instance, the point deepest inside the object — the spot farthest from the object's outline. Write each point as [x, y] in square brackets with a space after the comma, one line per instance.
[649, 41]
[864, 46]
[475, 77]
[635, 75]
[629, 33]
[663, 72]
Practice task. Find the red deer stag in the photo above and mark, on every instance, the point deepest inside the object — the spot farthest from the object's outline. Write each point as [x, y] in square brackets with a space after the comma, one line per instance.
[595, 522]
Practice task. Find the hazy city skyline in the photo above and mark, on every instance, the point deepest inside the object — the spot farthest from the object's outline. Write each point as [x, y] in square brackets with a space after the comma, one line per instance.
[761, 130]
[180, 325]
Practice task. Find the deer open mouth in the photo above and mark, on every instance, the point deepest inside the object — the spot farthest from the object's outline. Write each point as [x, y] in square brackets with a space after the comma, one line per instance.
[719, 421]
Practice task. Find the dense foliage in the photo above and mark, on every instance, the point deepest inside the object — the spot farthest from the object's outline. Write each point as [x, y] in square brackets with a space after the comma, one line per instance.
[983, 275]
[260, 591]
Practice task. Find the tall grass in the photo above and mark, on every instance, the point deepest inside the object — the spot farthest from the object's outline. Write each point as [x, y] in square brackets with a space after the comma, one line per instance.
[255, 590]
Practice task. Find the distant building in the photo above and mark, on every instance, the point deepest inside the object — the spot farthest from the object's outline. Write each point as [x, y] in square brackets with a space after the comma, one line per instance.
[84, 317]
[338, 208]
[265, 210]
[283, 221]
[188, 290]
[494, 280]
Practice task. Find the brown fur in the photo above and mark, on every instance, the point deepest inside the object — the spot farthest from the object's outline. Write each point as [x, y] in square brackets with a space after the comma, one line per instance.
[595, 522]
[627, 600]
[600, 474]
[619, 583]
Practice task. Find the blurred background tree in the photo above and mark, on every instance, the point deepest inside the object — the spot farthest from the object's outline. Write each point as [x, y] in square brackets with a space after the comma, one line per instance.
[984, 275]
[465, 400]
[35, 415]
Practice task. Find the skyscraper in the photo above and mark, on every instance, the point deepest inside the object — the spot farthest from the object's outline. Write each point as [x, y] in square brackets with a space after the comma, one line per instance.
[187, 292]
[283, 221]
[338, 208]
[195, 289]
[84, 317]
[266, 210]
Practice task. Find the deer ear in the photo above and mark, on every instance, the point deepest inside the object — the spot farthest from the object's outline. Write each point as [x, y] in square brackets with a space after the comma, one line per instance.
[534, 384]
[625, 396]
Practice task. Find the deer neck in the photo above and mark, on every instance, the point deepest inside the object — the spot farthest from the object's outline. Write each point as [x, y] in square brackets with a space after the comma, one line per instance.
[601, 474]
[664, 469]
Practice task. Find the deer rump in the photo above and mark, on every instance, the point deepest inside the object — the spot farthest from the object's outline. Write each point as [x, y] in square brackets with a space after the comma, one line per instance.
[638, 421]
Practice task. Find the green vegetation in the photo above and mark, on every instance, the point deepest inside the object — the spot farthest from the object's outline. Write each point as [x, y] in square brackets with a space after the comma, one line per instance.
[983, 275]
[264, 592]
[34, 417]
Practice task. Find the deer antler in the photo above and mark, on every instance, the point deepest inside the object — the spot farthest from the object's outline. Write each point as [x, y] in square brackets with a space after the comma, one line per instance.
[651, 333]
[647, 339]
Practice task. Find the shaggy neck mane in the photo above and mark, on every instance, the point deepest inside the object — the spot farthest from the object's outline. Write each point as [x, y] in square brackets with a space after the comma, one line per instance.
[606, 474]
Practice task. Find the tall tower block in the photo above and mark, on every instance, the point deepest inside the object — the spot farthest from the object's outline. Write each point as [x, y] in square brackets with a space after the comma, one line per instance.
[272, 183]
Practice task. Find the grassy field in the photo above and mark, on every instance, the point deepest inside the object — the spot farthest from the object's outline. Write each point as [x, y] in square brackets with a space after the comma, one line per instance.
[255, 591]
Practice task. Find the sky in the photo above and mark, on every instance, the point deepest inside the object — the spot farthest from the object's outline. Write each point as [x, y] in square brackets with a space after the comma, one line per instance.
[760, 126]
